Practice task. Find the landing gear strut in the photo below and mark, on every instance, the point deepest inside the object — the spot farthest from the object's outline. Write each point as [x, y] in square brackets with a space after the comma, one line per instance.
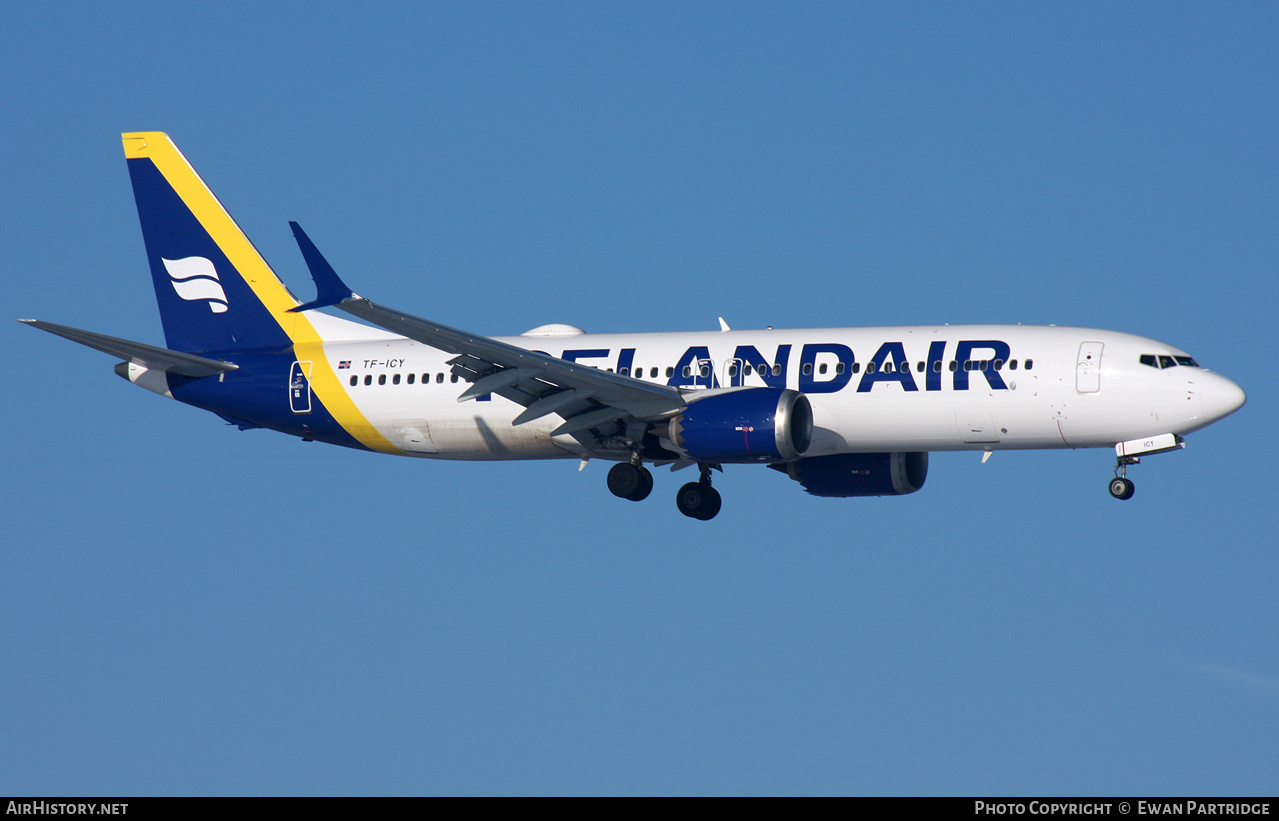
[698, 499]
[630, 481]
[1121, 487]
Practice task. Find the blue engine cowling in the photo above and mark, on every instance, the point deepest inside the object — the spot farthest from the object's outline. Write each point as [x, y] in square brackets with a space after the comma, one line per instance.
[861, 474]
[744, 425]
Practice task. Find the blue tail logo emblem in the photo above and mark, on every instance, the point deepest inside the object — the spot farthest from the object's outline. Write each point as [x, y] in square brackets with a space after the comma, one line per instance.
[195, 278]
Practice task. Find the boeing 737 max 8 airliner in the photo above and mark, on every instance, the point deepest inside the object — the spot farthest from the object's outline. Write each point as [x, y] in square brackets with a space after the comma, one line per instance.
[843, 411]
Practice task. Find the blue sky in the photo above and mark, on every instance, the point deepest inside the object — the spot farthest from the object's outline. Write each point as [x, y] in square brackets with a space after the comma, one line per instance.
[189, 609]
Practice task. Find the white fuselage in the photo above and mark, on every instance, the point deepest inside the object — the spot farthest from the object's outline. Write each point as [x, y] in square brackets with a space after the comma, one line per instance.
[1039, 387]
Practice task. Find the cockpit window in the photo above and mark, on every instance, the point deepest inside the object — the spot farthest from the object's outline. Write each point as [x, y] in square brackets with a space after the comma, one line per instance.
[1165, 361]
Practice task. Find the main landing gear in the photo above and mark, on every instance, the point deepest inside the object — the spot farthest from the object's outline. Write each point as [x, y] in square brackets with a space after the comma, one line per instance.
[633, 481]
[1121, 487]
[698, 499]
[630, 481]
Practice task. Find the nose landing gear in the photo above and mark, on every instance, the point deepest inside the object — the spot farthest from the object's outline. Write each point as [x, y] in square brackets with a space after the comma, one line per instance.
[1121, 486]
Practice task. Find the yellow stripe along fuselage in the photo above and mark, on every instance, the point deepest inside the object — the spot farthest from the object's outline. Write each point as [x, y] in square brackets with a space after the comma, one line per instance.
[307, 343]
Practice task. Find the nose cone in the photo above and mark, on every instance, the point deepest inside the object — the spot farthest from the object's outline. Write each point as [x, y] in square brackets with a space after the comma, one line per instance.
[1221, 397]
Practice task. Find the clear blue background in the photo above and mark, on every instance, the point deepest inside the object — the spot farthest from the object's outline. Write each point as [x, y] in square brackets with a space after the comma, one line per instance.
[185, 608]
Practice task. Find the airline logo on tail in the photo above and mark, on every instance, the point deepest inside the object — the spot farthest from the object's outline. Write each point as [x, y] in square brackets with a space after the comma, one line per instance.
[195, 278]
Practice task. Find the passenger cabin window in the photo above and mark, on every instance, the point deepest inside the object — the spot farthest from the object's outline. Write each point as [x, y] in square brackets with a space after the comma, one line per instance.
[381, 379]
[368, 379]
[412, 376]
[652, 373]
[395, 380]
[1030, 363]
[355, 380]
[439, 379]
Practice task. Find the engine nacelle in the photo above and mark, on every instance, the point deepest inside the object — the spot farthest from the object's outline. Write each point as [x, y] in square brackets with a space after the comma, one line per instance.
[861, 474]
[744, 425]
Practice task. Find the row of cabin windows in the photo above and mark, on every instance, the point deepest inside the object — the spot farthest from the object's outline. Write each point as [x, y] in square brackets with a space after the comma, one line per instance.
[1162, 361]
[395, 379]
[704, 370]
[639, 372]
[920, 367]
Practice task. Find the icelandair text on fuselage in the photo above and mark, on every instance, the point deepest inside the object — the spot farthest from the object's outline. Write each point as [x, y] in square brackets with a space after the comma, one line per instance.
[1124, 808]
[62, 808]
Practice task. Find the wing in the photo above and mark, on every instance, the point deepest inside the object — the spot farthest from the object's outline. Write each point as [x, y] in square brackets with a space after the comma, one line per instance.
[588, 399]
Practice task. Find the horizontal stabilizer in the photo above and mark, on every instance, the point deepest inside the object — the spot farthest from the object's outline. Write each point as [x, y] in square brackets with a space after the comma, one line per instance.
[148, 356]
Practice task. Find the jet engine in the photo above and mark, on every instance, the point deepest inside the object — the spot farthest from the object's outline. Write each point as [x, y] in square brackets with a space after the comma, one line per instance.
[860, 474]
[745, 425]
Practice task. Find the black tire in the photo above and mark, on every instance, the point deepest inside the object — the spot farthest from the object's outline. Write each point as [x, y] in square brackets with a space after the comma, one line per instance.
[698, 501]
[645, 486]
[710, 509]
[624, 480]
[1121, 488]
[689, 499]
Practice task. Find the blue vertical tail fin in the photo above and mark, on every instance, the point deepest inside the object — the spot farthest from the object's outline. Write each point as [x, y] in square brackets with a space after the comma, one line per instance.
[215, 291]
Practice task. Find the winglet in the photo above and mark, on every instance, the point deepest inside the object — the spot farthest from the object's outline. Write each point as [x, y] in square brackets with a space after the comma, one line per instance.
[329, 287]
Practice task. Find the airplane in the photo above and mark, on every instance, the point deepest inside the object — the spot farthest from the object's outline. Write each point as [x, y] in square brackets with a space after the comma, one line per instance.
[845, 412]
